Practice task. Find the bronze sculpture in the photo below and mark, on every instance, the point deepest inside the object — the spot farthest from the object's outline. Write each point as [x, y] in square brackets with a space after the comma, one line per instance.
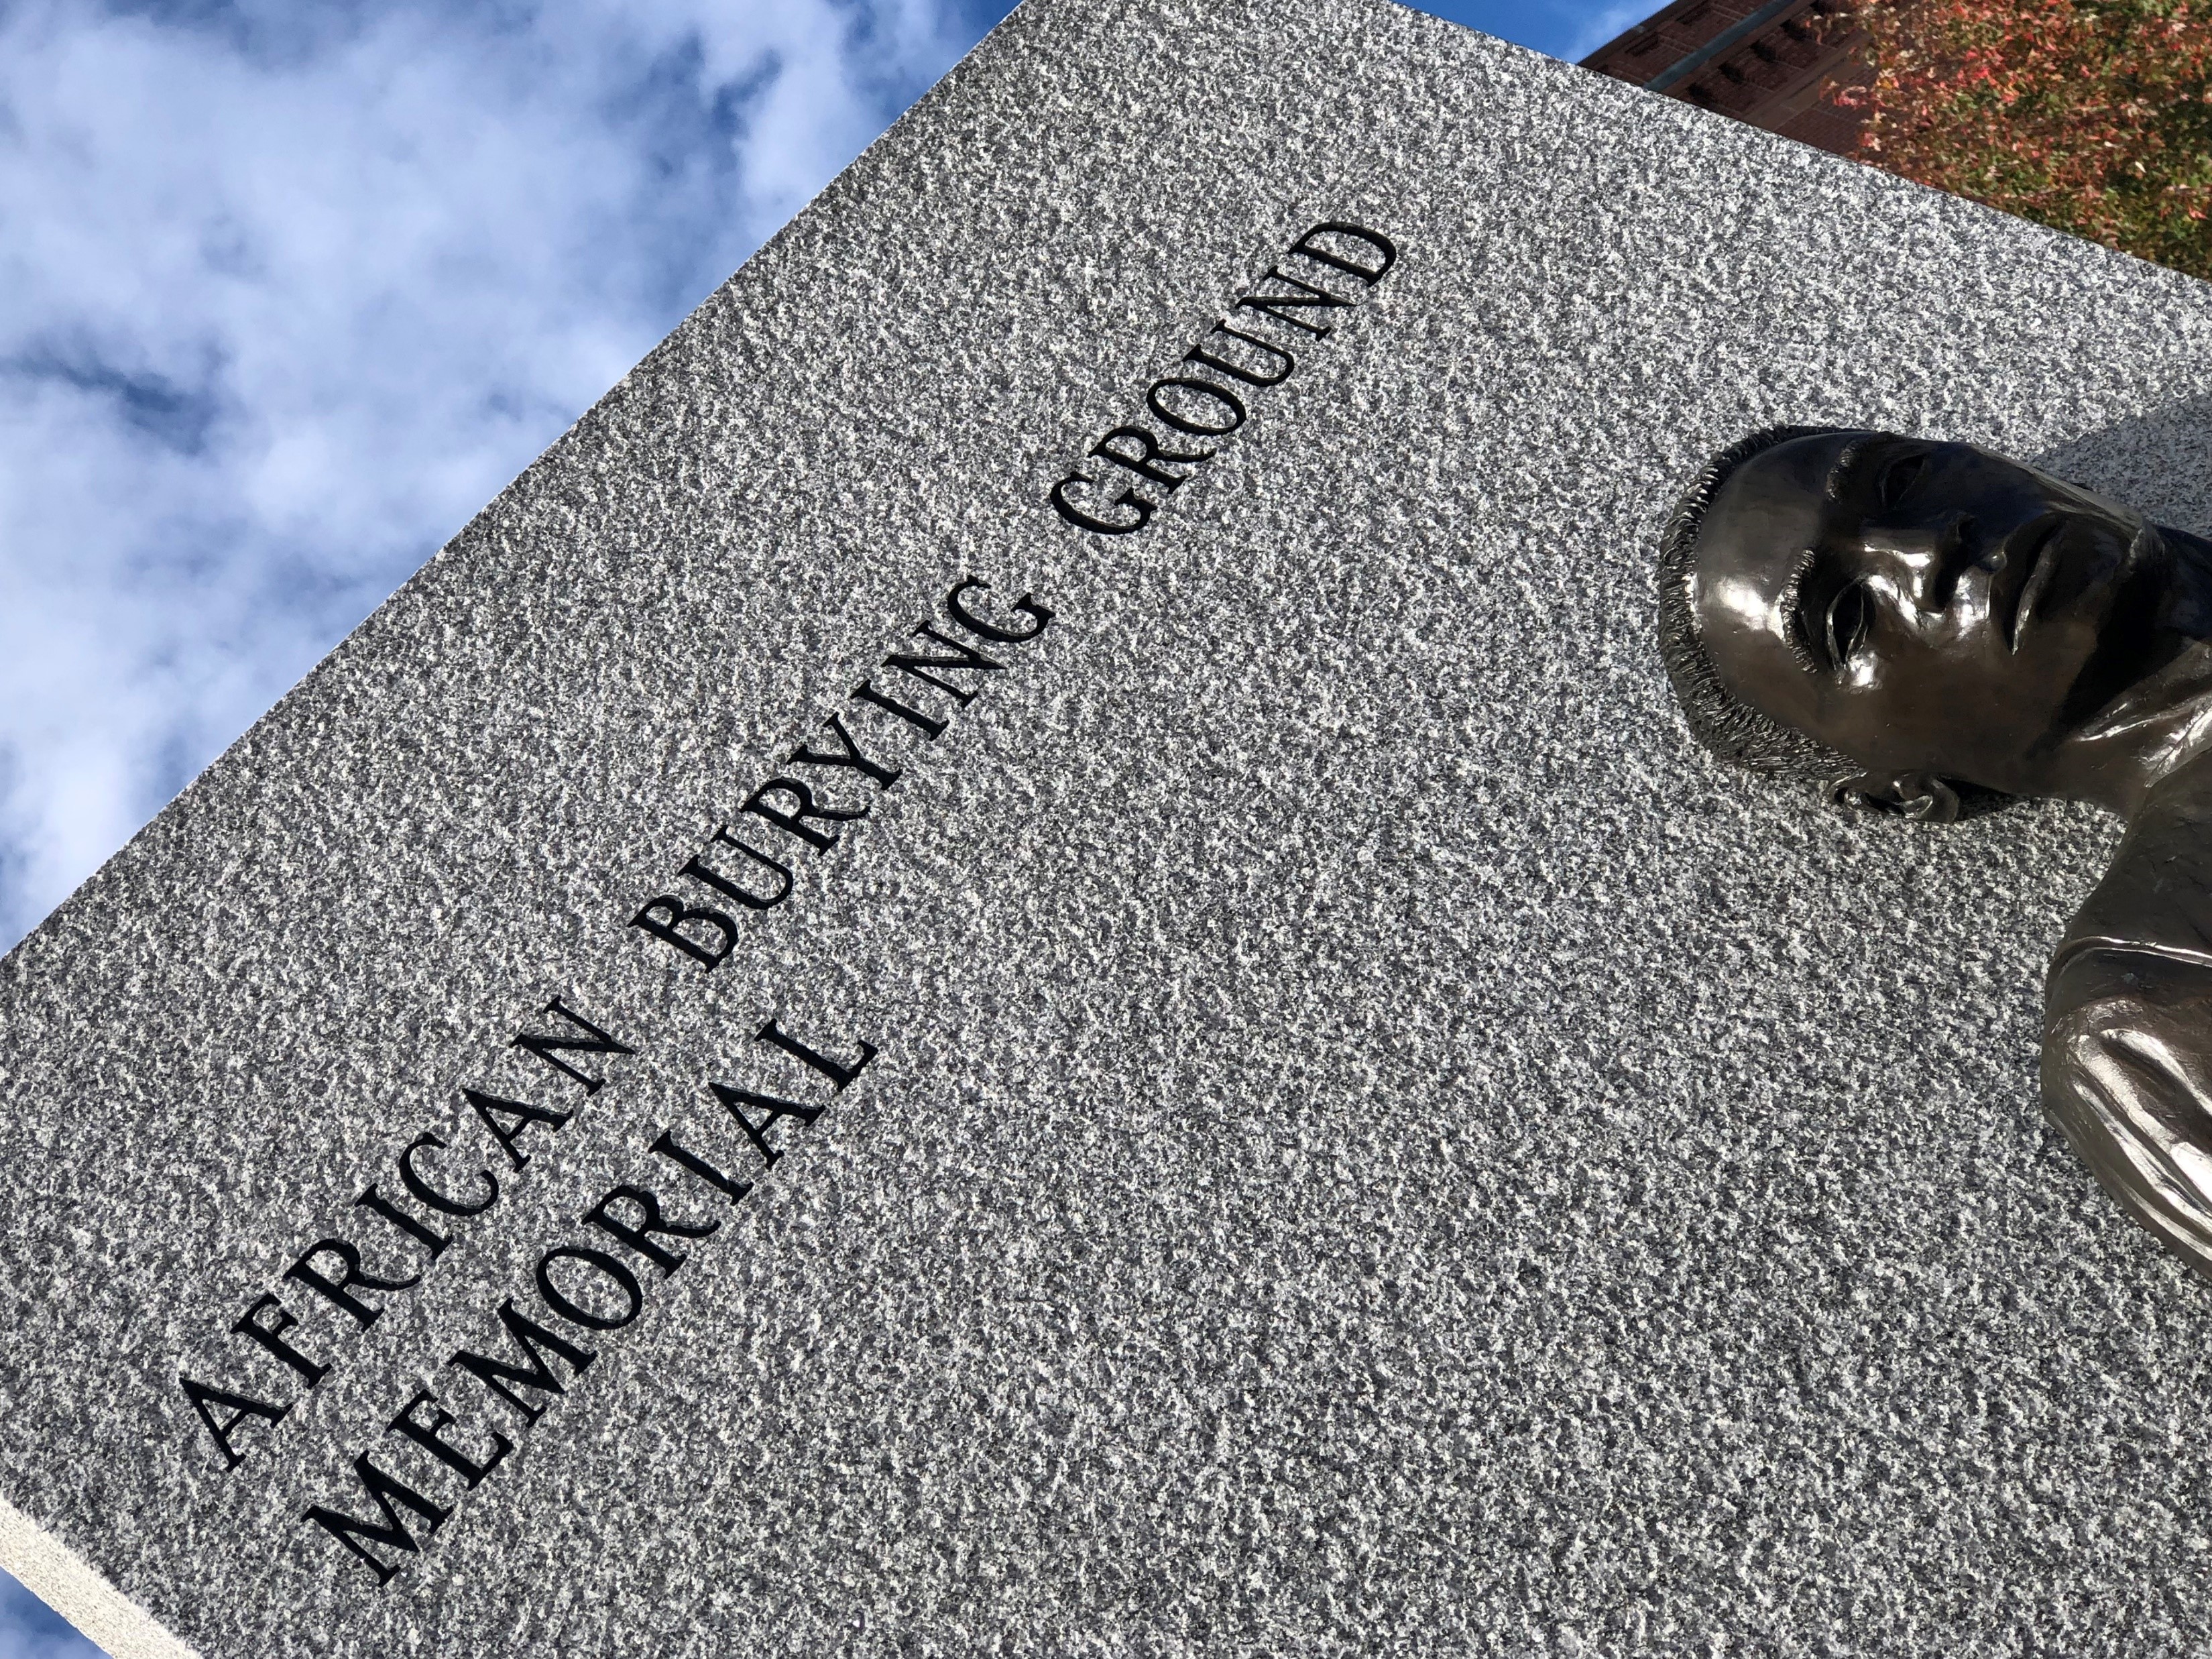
[1929, 629]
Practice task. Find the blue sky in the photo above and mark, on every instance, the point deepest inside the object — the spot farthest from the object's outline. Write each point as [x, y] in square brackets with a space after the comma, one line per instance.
[289, 289]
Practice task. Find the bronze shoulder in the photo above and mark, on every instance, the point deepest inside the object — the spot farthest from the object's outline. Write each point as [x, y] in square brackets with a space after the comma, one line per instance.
[2127, 1075]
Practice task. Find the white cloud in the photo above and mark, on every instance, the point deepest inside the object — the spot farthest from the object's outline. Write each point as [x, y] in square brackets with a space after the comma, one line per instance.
[27, 1631]
[287, 292]
[1586, 33]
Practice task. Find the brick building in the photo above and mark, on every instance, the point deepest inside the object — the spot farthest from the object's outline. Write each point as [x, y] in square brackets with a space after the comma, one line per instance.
[1765, 62]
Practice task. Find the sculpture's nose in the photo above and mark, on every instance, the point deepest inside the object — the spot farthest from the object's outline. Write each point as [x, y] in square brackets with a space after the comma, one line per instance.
[1925, 561]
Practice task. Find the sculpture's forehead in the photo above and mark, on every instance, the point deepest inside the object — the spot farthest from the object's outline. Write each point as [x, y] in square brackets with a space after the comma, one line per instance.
[1756, 539]
[1763, 519]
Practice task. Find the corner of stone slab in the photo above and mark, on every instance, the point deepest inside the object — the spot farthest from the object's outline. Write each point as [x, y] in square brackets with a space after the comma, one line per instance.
[68, 1584]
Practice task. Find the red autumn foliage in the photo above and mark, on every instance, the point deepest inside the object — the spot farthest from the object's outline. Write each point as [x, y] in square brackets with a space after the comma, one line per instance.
[2090, 116]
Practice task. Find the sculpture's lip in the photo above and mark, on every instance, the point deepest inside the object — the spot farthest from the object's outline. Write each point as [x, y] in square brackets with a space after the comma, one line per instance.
[2035, 555]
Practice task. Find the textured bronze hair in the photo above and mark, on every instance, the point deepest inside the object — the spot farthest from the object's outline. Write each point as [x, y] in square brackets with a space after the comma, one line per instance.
[1723, 722]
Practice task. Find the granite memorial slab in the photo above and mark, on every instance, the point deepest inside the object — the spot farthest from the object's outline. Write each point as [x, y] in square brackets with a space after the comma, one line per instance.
[1025, 957]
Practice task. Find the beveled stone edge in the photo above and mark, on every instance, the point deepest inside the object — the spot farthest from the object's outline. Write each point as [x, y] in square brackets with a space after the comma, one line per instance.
[73, 1588]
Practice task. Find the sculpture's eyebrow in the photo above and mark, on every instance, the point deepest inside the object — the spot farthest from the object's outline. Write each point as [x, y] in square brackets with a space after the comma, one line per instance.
[1798, 630]
[1839, 474]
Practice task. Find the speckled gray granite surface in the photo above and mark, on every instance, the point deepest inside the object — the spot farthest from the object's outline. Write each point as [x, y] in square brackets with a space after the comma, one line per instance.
[1372, 1146]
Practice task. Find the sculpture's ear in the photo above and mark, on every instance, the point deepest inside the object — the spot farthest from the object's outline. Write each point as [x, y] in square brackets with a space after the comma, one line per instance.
[1921, 796]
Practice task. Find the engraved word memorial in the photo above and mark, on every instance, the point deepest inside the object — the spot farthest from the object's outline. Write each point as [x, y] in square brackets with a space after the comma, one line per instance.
[1027, 957]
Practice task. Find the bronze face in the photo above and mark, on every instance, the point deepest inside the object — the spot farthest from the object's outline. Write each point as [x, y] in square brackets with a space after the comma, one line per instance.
[1932, 607]
[1934, 615]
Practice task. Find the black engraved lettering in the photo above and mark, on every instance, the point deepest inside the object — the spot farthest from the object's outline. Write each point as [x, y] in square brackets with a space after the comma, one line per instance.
[599, 1261]
[1376, 240]
[416, 1184]
[1198, 354]
[1204, 408]
[533, 1339]
[358, 1535]
[429, 1237]
[1025, 605]
[1067, 509]
[678, 916]
[794, 822]
[668, 1147]
[1182, 422]
[550, 1048]
[964, 656]
[1149, 453]
[1280, 305]
[722, 884]
[431, 1438]
[738, 1099]
[338, 1292]
[239, 1407]
[270, 1335]
[852, 756]
[929, 725]
[839, 1076]
[649, 1221]
[492, 1108]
